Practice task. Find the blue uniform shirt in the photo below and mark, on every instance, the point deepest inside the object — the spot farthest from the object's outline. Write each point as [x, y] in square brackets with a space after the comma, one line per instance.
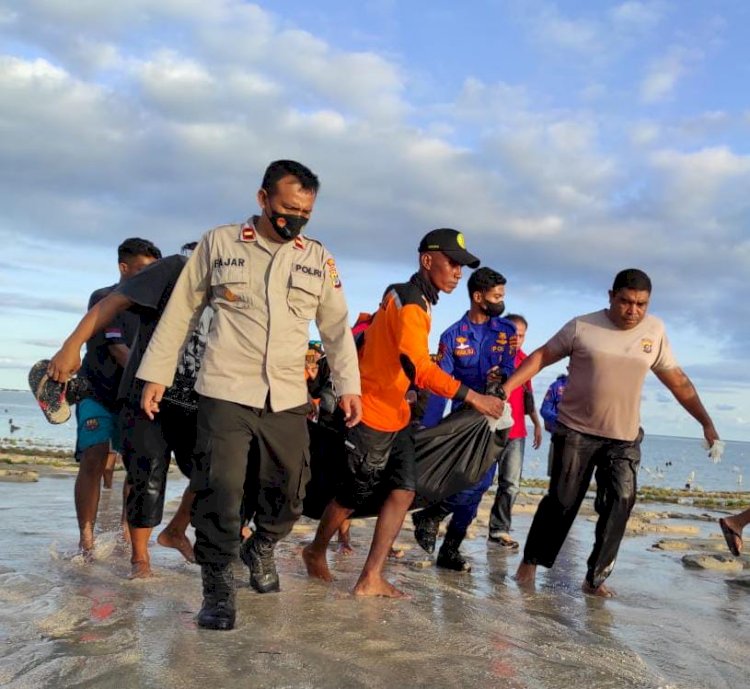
[468, 351]
[551, 402]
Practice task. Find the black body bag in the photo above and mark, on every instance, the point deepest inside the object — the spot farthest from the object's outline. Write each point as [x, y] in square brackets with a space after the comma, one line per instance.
[452, 456]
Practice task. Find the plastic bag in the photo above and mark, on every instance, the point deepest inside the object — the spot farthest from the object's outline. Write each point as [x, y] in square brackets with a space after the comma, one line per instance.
[505, 420]
[452, 456]
[715, 451]
[327, 462]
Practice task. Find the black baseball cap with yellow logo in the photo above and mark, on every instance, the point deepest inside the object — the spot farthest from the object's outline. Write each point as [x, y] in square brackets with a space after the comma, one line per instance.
[451, 243]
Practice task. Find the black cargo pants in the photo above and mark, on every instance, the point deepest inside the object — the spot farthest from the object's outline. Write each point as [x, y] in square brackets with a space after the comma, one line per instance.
[575, 457]
[234, 443]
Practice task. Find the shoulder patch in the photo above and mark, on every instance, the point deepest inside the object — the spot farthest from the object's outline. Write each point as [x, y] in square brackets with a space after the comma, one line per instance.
[247, 233]
[333, 273]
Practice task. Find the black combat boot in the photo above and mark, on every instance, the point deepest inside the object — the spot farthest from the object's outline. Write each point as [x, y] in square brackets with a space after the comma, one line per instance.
[426, 524]
[257, 553]
[449, 556]
[218, 610]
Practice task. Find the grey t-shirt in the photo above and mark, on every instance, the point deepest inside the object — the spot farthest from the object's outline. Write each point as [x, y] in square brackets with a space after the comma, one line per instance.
[607, 368]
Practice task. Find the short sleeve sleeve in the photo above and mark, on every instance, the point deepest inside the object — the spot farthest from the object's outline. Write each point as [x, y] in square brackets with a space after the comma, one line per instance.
[665, 359]
[561, 343]
[146, 288]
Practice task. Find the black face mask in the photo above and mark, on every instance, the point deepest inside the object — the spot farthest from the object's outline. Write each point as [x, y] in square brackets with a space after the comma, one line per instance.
[287, 226]
[492, 309]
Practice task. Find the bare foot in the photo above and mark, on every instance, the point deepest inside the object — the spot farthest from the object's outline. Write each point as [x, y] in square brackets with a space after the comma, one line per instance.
[396, 553]
[177, 540]
[345, 548]
[377, 586]
[525, 574]
[732, 534]
[87, 554]
[316, 564]
[108, 478]
[140, 569]
[602, 591]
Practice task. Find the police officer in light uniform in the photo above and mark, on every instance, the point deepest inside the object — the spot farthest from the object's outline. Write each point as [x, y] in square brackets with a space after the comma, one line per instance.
[265, 282]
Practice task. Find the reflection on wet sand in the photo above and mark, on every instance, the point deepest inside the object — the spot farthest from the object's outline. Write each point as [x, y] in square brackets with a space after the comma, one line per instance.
[65, 624]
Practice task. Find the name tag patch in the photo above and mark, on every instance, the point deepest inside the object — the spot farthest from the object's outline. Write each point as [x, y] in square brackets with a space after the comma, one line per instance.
[308, 270]
[231, 261]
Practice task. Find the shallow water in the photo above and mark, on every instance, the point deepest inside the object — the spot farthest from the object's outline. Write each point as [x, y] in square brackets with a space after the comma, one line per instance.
[667, 461]
[66, 624]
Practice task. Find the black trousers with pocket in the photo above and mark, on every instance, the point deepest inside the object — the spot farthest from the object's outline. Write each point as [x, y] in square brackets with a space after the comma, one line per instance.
[576, 457]
[237, 447]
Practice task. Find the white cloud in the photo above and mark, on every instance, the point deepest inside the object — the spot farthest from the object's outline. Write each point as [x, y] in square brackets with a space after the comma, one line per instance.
[527, 229]
[644, 133]
[594, 92]
[704, 183]
[709, 164]
[577, 35]
[664, 74]
[137, 129]
[637, 15]
[14, 364]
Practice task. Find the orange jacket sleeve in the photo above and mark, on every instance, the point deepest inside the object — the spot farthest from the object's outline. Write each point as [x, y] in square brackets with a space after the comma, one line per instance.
[414, 350]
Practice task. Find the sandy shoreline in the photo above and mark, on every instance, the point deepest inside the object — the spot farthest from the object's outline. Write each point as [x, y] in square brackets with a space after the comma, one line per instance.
[681, 599]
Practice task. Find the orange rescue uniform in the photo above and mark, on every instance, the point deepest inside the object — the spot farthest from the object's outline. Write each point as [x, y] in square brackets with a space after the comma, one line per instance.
[396, 354]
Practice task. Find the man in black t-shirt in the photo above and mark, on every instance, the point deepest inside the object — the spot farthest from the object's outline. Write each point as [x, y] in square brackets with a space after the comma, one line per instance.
[147, 446]
[97, 414]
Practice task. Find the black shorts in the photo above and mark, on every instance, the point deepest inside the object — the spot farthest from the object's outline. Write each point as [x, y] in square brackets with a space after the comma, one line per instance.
[377, 463]
[147, 447]
[171, 432]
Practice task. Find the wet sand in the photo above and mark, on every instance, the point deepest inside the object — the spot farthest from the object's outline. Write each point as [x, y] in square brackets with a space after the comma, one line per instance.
[66, 624]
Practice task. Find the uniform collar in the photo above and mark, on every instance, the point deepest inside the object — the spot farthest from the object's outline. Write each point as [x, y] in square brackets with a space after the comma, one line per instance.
[498, 323]
[468, 326]
[426, 287]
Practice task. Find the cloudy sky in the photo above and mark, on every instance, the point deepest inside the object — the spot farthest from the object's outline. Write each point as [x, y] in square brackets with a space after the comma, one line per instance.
[566, 140]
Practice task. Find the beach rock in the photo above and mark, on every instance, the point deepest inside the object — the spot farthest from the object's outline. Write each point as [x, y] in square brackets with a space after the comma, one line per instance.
[18, 475]
[691, 544]
[693, 517]
[637, 525]
[740, 582]
[303, 528]
[649, 516]
[672, 544]
[720, 563]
